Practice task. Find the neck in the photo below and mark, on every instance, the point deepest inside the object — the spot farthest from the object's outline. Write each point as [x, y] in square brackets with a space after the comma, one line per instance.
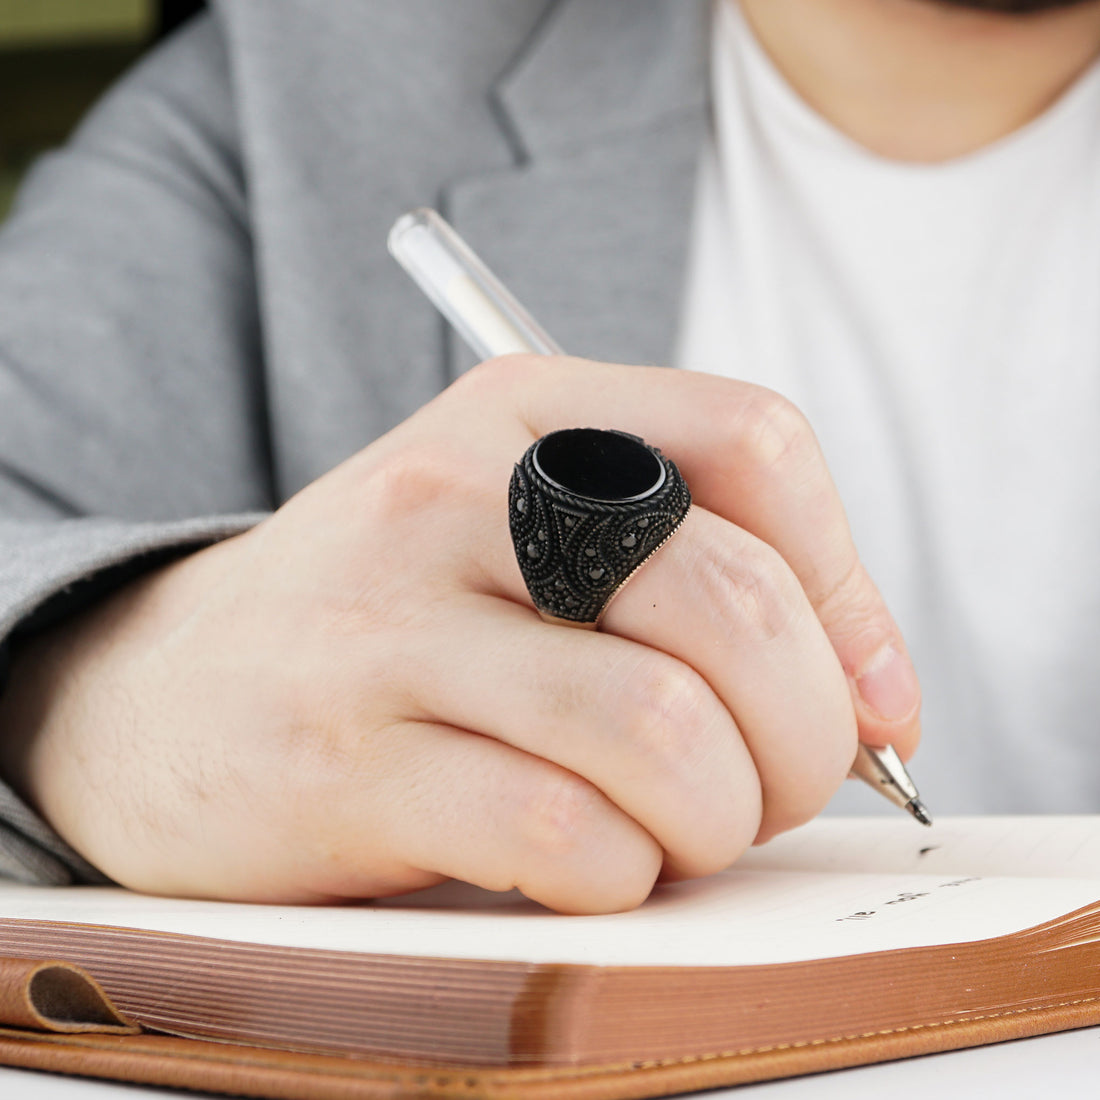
[916, 80]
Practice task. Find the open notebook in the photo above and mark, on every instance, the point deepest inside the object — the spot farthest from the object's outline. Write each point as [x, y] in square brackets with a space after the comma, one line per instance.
[849, 940]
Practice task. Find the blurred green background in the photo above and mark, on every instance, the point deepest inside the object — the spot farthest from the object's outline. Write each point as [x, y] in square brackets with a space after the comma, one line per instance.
[56, 57]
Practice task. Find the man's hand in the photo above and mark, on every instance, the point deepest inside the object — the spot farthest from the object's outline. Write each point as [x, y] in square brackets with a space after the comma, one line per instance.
[356, 698]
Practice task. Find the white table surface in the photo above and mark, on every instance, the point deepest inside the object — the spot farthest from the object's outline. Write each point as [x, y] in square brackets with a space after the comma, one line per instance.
[1066, 1064]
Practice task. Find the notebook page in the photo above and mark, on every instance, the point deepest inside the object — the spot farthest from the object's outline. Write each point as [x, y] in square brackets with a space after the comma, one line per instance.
[1054, 846]
[739, 917]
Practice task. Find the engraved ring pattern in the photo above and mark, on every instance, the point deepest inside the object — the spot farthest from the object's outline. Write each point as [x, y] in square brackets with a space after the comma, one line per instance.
[586, 508]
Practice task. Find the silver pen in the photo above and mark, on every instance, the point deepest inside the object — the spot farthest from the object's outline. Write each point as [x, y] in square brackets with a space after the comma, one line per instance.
[492, 322]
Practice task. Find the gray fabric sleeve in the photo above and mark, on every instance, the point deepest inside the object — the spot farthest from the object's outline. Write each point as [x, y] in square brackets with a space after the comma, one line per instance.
[133, 418]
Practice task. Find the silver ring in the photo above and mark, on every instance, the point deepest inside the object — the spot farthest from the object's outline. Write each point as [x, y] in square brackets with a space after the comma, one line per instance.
[587, 508]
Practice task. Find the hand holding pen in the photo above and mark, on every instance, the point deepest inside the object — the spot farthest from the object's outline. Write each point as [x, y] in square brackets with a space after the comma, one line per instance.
[355, 697]
[492, 322]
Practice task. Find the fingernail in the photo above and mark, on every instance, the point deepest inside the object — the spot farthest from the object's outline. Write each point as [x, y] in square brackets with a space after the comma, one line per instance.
[888, 685]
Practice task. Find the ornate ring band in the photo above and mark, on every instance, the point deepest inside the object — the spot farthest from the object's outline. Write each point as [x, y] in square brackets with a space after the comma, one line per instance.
[587, 508]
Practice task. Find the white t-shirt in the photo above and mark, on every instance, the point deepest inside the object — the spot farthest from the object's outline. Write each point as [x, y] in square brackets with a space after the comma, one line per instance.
[940, 327]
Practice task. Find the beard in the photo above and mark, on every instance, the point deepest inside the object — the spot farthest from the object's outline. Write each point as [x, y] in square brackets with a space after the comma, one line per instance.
[1012, 7]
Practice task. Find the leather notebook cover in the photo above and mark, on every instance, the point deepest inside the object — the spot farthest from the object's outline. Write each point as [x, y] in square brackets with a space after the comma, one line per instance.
[58, 1019]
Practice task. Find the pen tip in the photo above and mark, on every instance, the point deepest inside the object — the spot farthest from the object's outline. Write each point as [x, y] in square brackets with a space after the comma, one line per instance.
[918, 809]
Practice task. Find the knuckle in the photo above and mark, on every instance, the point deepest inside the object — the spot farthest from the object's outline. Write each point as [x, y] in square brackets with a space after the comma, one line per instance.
[678, 730]
[722, 835]
[751, 589]
[664, 709]
[736, 821]
[808, 786]
[559, 817]
[853, 606]
[409, 485]
[775, 435]
[725, 824]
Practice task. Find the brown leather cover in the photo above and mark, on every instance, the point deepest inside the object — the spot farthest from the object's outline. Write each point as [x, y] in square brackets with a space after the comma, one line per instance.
[56, 996]
[283, 1075]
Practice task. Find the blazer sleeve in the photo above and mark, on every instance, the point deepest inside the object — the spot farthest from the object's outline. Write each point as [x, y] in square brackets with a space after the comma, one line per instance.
[133, 420]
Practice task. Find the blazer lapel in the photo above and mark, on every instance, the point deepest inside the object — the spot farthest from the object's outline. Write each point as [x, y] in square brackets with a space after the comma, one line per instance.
[605, 109]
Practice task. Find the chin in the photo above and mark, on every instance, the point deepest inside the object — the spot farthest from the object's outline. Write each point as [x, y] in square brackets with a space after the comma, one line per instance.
[1012, 7]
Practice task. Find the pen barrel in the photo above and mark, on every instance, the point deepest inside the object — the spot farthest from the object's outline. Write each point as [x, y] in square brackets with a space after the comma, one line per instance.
[479, 307]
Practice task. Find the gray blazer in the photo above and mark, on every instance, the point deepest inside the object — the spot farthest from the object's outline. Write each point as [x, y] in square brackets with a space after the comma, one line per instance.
[197, 312]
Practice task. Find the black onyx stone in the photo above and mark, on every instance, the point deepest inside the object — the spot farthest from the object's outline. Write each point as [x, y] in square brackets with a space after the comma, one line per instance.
[599, 465]
[629, 541]
[642, 522]
[521, 504]
[595, 574]
[532, 550]
[589, 552]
